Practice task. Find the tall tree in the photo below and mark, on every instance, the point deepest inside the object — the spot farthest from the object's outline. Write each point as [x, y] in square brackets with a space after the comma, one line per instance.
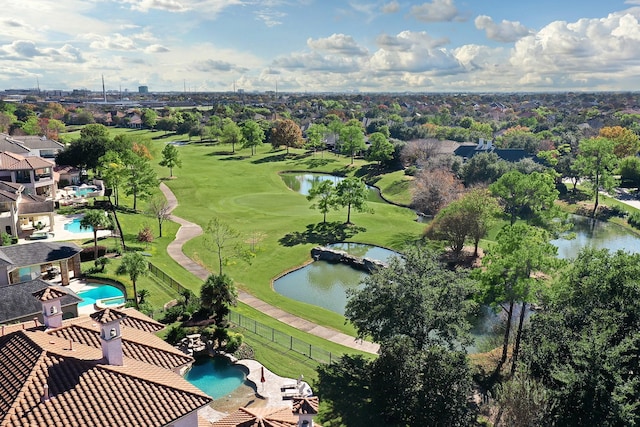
[286, 132]
[223, 241]
[159, 208]
[253, 135]
[415, 296]
[135, 266]
[626, 142]
[531, 196]
[380, 149]
[316, 135]
[507, 277]
[113, 171]
[435, 189]
[585, 345]
[141, 178]
[231, 134]
[170, 158]
[95, 220]
[596, 161]
[217, 294]
[86, 150]
[352, 139]
[352, 193]
[324, 193]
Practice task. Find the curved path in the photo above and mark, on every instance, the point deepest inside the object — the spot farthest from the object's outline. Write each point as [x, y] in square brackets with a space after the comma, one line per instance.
[189, 230]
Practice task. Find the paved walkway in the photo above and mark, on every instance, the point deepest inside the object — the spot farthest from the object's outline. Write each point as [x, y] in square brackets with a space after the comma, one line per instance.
[189, 230]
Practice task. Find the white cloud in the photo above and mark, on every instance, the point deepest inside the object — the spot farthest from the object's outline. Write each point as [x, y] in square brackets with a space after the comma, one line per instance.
[391, 7]
[338, 44]
[408, 40]
[270, 17]
[156, 48]
[505, 31]
[436, 11]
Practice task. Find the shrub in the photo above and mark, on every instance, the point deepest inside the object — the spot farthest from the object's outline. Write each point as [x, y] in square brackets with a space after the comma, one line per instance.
[145, 236]
[411, 171]
[172, 314]
[634, 219]
[234, 341]
[175, 334]
[6, 239]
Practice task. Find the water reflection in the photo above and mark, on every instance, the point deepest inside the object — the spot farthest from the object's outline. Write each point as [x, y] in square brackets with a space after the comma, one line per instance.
[302, 183]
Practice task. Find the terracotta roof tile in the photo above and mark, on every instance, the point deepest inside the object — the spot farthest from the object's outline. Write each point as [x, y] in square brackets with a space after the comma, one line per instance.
[83, 391]
[49, 293]
[139, 321]
[259, 417]
[107, 315]
[305, 405]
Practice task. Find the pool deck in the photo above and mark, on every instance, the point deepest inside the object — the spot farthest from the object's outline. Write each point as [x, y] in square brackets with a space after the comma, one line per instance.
[60, 234]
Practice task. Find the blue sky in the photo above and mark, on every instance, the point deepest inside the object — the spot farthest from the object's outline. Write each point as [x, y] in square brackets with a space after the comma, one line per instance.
[322, 45]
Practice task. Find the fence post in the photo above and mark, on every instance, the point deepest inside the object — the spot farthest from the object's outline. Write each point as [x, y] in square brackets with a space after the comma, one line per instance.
[272, 334]
[310, 352]
[290, 342]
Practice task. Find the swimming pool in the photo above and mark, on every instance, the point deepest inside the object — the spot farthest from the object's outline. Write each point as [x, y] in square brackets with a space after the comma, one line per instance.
[74, 226]
[91, 293]
[216, 376]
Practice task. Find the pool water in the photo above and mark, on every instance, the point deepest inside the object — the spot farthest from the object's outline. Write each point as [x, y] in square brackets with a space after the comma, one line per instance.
[74, 226]
[90, 294]
[83, 191]
[216, 376]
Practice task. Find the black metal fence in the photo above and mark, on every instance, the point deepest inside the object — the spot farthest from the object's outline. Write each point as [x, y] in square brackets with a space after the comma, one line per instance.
[283, 340]
[166, 279]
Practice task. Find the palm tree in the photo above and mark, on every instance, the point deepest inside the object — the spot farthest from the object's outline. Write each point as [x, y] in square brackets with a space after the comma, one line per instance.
[96, 220]
[133, 264]
[217, 294]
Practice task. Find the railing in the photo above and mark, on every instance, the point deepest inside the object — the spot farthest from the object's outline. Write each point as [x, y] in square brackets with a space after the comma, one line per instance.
[166, 279]
[283, 340]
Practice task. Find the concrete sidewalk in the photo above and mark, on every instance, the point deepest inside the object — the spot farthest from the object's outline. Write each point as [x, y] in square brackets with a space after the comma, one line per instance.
[189, 230]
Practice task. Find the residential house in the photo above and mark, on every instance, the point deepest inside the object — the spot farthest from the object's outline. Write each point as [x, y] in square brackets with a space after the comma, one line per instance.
[467, 151]
[37, 146]
[34, 173]
[20, 213]
[29, 261]
[108, 369]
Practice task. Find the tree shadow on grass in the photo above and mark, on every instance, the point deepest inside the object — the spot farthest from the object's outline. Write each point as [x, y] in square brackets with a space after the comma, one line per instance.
[316, 163]
[236, 157]
[220, 153]
[322, 233]
[401, 240]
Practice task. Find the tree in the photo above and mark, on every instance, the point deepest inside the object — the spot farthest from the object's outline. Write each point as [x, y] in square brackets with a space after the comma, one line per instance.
[231, 134]
[113, 171]
[416, 296]
[626, 142]
[529, 196]
[287, 133]
[170, 158]
[585, 346]
[352, 140]
[471, 216]
[149, 118]
[133, 264]
[223, 240]
[352, 193]
[483, 168]
[86, 150]
[96, 220]
[141, 178]
[507, 276]
[253, 135]
[167, 124]
[217, 294]
[435, 189]
[54, 129]
[159, 208]
[380, 150]
[596, 162]
[316, 135]
[630, 171]
[324, 192]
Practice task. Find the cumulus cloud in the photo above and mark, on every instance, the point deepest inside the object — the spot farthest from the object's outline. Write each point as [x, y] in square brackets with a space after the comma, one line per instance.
[112, 42]
[208, 7]
[505, 31]
[314, 61]
[436, 11]
[391, 7]
[407, 40]
[585, 50]
[339, 44]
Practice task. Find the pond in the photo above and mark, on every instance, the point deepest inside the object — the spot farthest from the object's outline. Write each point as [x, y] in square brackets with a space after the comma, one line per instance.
[597, 234]
[216, 376]
[302, 183]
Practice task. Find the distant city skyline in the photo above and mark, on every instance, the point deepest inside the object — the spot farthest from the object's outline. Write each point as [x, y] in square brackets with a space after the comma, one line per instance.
[321, 46]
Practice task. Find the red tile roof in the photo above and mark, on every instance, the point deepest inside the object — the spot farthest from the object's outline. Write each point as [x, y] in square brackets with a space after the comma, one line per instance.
[83, 391]
[259, 417]
[107, 315]
[49, 293]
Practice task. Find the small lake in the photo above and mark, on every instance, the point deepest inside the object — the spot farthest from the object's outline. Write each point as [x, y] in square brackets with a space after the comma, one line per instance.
[598, 234]
[302, 183]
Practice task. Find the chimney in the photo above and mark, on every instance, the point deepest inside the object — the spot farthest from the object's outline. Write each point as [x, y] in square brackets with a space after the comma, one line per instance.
[50, 298]
[110, 337]
[480, 145]
[45, 393]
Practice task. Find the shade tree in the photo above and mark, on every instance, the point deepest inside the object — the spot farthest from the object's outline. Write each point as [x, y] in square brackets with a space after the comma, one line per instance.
[170, 158]
[323, 195]
[135, 266]
[352, 193]
[596, 162]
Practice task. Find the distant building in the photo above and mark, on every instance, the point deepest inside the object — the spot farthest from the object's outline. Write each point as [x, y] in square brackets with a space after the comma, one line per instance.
[143, 89]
